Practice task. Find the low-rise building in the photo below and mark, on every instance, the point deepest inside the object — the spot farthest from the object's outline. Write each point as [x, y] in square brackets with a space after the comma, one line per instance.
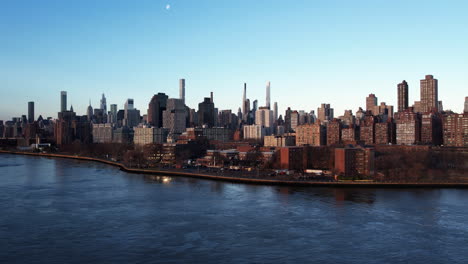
[354, 161]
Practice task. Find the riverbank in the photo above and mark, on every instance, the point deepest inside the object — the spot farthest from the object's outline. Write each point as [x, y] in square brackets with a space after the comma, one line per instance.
[259, 181]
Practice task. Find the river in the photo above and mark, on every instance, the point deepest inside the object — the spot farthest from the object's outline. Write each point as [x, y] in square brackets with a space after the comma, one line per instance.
[69, 211]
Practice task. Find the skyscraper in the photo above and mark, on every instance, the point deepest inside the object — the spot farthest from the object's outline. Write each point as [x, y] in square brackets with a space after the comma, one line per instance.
[275, 111]
[268, 95]
[264, 117]
[30, 112]
[206, 113]
[182, 90]
[324, 112]
[131, 115]
[244, 100]
[103, 104]
[113, 113]
[155, 109]
[371, 103]
[466, 105]
[89, 111]
[402, 96]
[63, 101]
[429, 94]
[174, 116]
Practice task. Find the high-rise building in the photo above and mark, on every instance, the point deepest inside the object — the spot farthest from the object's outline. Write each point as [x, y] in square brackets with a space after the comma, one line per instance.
[103, 104]
[206, 113]
[385, 132]
[311, 134]
[244, 104]
[455, 130]
[174, 117]
[279, 141]
[294, 120]
[431, 128]
[102, 133]
[334, 132]
[63, 101]
[324, 113]
[182, 90]
[268, 95]
[348, 118]
[371, 103]
[155, 109]
[350, 134]
[131, 115]
[150, 135]
[264, 117]
[256, 132]
[408, 127]
[367, 129]
[466, 105]
[30, 112]
[402, 96]
[429, 94]
[113, 114]
[275, 111]
[89, 112]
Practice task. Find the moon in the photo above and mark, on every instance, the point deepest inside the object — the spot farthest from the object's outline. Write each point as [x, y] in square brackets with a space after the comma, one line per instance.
[168, 6]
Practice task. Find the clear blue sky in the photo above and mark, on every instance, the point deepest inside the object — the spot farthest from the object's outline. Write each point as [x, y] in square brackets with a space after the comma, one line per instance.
[313, 51]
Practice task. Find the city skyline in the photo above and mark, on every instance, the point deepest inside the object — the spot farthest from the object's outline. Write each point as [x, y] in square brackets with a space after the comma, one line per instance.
[64, 97]
[317, 49]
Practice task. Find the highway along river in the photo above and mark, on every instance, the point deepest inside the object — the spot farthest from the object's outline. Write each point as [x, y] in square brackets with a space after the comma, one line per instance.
[69, 211]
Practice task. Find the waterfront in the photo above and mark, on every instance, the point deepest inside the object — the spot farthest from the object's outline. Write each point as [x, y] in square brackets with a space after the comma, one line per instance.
[58, 210]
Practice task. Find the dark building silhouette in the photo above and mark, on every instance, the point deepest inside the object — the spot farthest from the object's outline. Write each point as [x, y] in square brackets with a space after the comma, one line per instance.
[30, 112]
[402, 96]
[63, 101]
[206, 113]
[156, 108]
[431, 128]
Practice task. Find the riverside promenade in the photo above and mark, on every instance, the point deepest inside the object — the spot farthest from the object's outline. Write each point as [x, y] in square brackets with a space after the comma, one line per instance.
[250, 179]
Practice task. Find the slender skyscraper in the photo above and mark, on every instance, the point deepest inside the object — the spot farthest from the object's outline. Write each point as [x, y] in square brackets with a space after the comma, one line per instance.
[63, 101]
[244, 99]
[268, 95]
[402, 96]
[103, 104]
[275, 111]
[89, 111]
[113, 111]
[30, 112]
[466, 105]
[182, 90]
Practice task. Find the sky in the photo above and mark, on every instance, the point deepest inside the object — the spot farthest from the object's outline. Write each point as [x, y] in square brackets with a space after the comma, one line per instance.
[312, 51]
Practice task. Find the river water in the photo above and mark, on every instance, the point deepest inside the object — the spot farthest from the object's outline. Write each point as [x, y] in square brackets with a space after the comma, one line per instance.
[66, 211]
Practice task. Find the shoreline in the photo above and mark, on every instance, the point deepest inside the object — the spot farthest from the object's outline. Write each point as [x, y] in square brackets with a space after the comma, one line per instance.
[256, 181]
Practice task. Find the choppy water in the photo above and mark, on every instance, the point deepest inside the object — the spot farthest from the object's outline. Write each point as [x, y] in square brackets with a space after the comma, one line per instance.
[65, 211]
